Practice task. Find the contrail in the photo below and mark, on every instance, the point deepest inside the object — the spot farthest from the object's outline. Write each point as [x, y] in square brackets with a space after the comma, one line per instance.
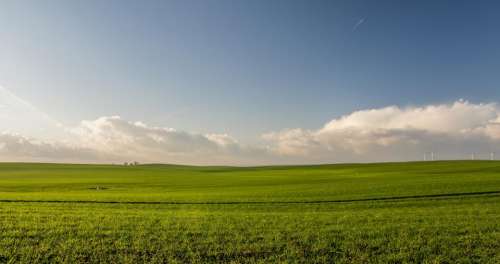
[361, 21]
[16, 100]
[19, 116]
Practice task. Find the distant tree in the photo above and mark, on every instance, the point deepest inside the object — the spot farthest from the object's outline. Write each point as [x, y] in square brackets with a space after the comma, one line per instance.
[125, 164]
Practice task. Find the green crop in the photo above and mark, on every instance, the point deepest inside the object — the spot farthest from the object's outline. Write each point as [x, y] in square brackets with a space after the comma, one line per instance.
[420, 212]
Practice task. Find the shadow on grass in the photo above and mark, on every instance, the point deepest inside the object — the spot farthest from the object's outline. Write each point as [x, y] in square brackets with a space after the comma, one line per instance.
[390, 198]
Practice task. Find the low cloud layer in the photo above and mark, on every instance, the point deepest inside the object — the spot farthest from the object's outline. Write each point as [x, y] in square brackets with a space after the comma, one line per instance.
[450, 131]
[136, 140]
[112, 139]
[14, 147]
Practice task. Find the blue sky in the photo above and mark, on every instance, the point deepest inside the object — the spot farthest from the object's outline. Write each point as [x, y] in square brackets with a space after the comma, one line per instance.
[245, 68]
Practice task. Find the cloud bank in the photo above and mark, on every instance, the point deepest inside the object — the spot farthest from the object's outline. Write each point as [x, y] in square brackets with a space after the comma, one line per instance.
[114, 140]
[138, 141]
[451, 131]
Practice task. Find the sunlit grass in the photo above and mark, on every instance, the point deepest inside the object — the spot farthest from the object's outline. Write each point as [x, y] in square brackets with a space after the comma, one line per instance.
[449, 229]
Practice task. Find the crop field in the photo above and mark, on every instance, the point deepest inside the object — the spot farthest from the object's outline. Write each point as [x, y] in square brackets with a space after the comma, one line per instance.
[417, 212]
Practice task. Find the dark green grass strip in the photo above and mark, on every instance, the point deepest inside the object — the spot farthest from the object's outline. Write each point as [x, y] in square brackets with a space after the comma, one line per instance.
[393, 198]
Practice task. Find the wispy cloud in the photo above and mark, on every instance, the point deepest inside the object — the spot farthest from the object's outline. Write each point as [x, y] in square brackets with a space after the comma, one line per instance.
[358, 23]
[20, 116]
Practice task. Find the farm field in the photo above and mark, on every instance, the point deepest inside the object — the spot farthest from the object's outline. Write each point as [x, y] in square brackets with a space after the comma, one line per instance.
[418, 212]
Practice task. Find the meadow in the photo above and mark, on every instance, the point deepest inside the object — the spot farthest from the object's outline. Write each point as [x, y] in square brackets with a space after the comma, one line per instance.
[415, 212]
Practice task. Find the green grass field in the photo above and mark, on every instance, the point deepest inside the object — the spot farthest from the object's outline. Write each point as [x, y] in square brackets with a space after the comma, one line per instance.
[432, 212]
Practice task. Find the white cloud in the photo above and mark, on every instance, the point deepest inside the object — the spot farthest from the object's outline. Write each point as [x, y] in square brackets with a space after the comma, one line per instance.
[14, 147]
[457, 117]
[136, 140]
[112, 139]
[113, 134]
[385, 134]
[393, 133]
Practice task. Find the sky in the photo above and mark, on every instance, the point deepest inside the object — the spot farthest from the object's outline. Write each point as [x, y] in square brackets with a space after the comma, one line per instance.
[248, 82]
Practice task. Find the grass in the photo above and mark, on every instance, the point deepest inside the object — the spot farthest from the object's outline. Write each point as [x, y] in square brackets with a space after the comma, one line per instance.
[432, 212]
